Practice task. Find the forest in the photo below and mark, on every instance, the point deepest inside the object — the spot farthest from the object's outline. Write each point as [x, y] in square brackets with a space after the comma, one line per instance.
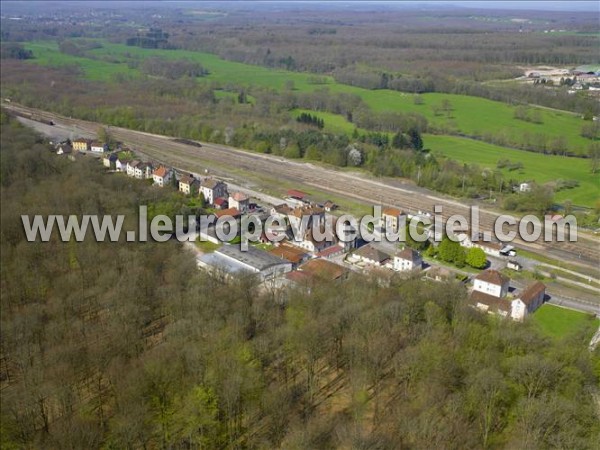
[129, 345]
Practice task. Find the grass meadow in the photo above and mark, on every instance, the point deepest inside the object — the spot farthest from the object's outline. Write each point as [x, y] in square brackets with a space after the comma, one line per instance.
[559, 322]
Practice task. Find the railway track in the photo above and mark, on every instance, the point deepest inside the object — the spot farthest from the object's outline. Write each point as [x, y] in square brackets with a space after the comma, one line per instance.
[584, 253]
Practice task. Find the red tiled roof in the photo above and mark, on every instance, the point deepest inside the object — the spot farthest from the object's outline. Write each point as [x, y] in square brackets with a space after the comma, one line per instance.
[493, 276]
[239, 197]
[494, 304]
[532, 291]
[161, 172]
[289, 252]
[333, 250]
[220, 201]
[394, 212]
[298, 277]
[233, 212]
[296, 194]
[321, 268]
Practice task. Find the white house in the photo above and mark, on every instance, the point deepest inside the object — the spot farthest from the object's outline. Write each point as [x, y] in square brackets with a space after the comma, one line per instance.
[239, 201]
[491, 282]
[524, 187]
[528, 301]
[372, 256]
[98, 147]
[407, 259]
[212, 189]
[188, 184]
[390, 218]
[303, 218]
[162, 176]
[131, 166]
[143, 170]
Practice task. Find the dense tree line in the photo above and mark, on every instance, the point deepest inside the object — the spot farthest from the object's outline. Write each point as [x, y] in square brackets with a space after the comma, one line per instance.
[128, 345]
[13, 50]
[310, 119]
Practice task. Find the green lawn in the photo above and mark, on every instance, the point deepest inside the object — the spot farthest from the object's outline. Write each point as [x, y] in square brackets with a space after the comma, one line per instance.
[559, 322]
[206, 246]
[538, 167]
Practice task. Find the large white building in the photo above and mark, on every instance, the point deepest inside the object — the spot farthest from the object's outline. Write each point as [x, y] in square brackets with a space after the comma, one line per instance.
[491, 282]
[407, 259]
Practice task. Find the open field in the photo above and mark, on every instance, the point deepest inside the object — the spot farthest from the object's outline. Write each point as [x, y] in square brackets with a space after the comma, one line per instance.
[468, 115]
[559, 322]
[541, 168]
[536, 166]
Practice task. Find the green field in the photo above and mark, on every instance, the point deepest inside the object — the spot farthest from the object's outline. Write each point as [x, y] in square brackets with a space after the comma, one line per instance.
[536, 166]
[469, 115]
[559, 322]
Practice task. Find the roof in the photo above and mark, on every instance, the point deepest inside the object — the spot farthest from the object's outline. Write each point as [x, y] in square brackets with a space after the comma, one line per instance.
[283, 209]
[302, 211]
[371, 253]
[493, 276]
[296, 194]
[82, 140]
[133, 163]
[329, 204]
[532, 291]
[298, 276]
[111, 156]
[211, 183]
[409, 254]
[233, 212]
[333, 250]
[187, 179]
[289, 252]
[162, 172]
[255, 258]
[239, 197]
[324, 269]
[394, 212]
[220, 201]
[494, 304]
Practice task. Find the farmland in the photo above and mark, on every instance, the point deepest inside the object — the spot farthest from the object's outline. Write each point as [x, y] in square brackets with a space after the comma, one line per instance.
[472, 116]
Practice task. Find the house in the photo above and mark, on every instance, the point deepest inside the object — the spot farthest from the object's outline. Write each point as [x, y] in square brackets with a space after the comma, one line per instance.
[233, 261]
[297, 195]
[348, 233]
[231, 212]
[371, 255]
[212, 189]
[390, 218]
[474, 240]
[143, 170]
[314, 244]
[514, 265]
[64, 149]
[240, 201]
[407, 259]
[490, 304]
[329, 206]
[324, 270]
[524, 187]
[188, 184]
[131, 166]
[98, 147]
[221, 203]
[528, 301]
[81, 145]
[303, 218]
[331, 252]
[121, 164]
[109, 161]
[162, 176]
[291, 253]
[491, 282]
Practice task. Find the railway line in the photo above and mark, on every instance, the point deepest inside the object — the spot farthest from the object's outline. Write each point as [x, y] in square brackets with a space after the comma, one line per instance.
[584, 253]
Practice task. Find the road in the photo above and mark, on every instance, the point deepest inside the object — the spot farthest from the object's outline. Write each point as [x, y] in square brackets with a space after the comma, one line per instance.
[585, 253]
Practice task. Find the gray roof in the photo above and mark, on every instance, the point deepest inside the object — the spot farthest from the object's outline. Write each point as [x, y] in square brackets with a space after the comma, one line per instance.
[257, 259]
[370, 252]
